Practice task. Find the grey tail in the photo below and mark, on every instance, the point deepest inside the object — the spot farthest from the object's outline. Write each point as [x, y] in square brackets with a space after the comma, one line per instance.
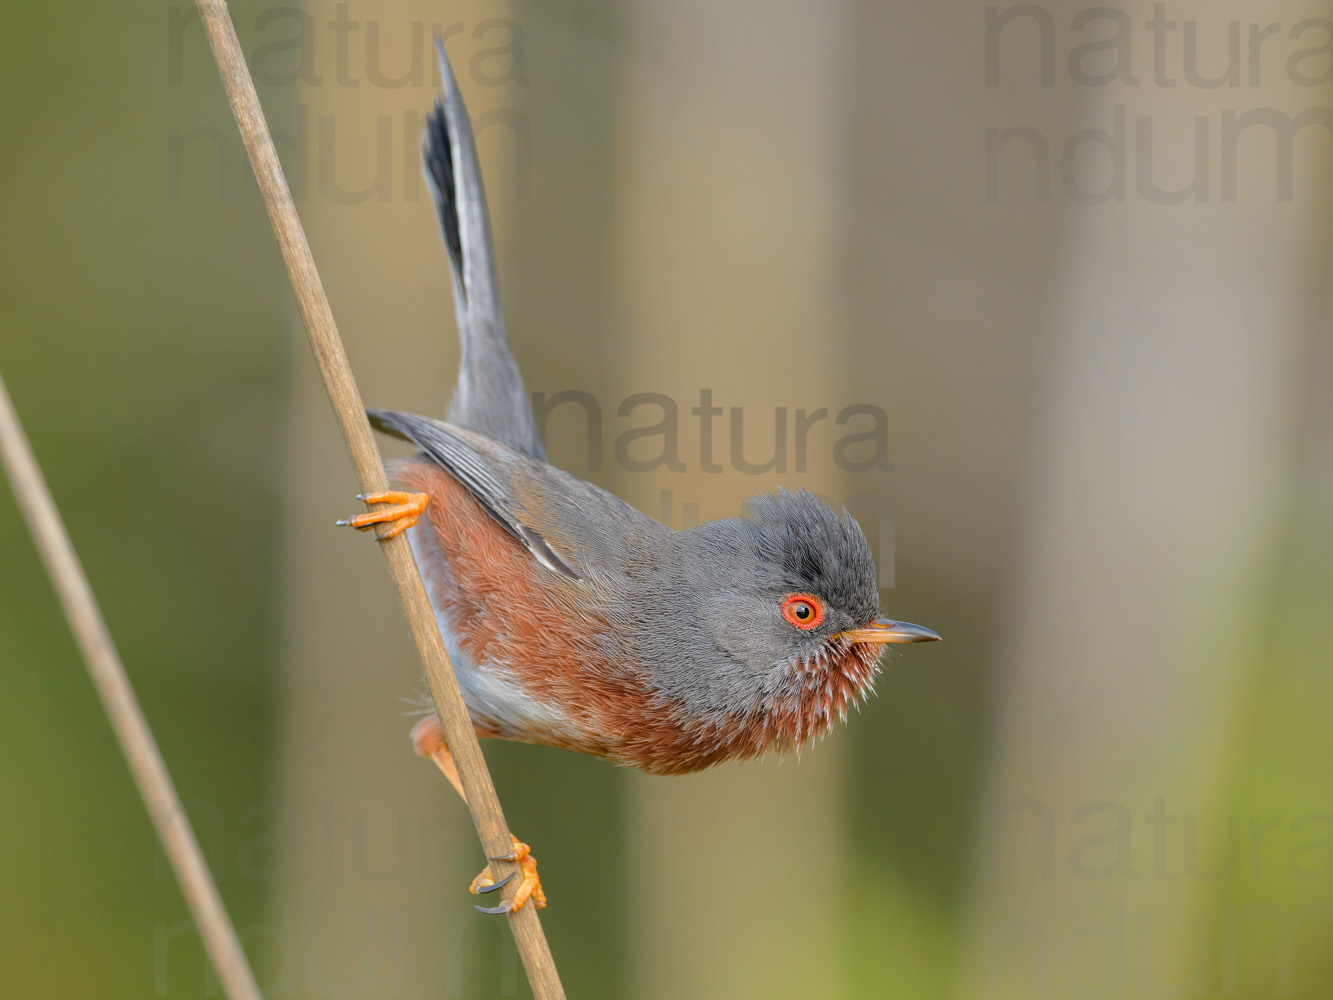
[490, 397]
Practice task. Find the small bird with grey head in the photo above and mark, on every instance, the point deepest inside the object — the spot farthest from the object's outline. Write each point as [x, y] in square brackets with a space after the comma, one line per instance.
[572, 619]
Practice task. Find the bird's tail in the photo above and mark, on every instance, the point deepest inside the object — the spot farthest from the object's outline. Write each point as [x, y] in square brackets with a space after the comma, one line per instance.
[490, 397]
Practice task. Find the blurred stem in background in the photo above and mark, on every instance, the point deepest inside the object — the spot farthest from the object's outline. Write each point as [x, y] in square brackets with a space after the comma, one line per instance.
[375, 850]
[727, 211]
[150, 390]
[943, 317]
[1150, 542]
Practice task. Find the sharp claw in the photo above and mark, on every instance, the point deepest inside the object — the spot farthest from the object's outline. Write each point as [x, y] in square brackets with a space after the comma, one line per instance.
[504, 857]
[498, 885]
[361, 496]
[502, 908]
[341, 524]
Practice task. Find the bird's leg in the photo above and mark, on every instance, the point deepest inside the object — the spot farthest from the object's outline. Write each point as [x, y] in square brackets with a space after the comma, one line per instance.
[407, 507]
[428, 738]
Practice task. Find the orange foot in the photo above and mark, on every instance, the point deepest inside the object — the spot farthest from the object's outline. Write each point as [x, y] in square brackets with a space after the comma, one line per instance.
[531, 886]
[407, 507]
[428, 738]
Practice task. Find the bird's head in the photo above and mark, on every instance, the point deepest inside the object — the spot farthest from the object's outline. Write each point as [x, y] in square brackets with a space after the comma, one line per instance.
[817, 593]
[783, 610]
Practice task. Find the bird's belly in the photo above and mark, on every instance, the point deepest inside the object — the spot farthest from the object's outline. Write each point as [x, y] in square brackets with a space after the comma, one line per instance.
[497, 699]
[529, 669]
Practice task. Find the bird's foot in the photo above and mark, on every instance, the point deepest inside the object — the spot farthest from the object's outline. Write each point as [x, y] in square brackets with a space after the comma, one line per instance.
[405, 509]
[530, 887]
[428, 738]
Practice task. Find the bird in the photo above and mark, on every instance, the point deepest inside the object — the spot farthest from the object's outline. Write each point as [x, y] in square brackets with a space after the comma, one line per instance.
[572, 619]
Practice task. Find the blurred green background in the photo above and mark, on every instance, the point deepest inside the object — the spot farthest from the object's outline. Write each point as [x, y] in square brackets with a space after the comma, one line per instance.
[1071, 264]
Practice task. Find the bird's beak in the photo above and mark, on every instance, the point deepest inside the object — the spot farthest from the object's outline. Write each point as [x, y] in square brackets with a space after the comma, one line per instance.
[887, 630]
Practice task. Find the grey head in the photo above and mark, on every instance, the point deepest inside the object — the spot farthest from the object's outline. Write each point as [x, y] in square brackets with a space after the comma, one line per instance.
[747, 609]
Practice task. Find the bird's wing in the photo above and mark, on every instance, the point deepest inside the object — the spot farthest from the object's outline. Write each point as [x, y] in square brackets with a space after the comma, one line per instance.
[493, 474]
[490, 397]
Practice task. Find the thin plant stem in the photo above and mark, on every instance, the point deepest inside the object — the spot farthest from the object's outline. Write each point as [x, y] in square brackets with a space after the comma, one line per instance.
[127, 719]
[346, 400]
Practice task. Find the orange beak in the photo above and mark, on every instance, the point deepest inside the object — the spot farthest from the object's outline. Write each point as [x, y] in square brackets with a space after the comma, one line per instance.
[887, 630]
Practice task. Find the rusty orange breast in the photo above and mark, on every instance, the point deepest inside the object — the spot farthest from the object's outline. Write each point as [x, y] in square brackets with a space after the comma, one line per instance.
[535, 655]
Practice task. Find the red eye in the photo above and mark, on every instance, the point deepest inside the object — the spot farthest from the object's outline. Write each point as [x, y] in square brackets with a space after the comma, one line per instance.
[803, 610]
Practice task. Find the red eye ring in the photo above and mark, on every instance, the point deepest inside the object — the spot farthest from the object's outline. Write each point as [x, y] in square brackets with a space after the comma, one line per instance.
[805, 611]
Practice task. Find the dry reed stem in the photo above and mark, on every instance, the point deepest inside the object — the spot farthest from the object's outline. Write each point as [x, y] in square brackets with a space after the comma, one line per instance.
[347, 406]
[127, 719]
